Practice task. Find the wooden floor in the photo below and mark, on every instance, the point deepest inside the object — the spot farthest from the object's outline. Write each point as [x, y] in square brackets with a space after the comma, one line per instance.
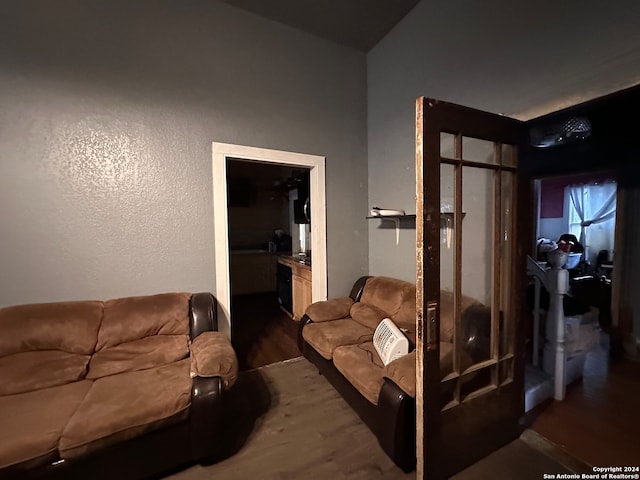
[598, 423]
[291, 424]
[288, 422]
[262, 333]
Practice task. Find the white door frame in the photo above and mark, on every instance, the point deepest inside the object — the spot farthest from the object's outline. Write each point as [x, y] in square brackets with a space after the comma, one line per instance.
[223, 151]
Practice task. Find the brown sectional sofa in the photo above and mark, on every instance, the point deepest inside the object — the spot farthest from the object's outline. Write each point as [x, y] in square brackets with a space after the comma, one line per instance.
[336, 335]
[123, 388]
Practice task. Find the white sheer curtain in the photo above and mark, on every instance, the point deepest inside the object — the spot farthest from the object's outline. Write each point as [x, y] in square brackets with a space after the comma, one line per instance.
[592, 216]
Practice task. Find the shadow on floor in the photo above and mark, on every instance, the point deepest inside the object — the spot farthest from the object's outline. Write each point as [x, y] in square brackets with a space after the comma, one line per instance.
[245, 404]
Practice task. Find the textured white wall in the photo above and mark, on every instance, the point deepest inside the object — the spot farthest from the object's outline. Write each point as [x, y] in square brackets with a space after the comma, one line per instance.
[108, 111]
[518, 58]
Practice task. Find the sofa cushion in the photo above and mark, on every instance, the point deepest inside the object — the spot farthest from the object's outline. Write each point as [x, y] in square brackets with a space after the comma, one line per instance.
[332, 309]
[367, 315]
[122, 406]
[32, 423]
[326, 336]
[402, 371]
[213, 356]
[446, 359]
[68, 326]
[147, 352]
[27, 371]
[361, 365]
[132, 318]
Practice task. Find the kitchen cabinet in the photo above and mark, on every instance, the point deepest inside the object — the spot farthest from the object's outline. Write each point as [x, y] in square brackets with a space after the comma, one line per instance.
[300, 285]
[301, 282]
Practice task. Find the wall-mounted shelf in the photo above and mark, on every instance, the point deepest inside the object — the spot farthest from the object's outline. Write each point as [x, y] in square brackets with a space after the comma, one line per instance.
[449, 215]
[410, 216]
[392, 217]
[396, 219]
[409, 219]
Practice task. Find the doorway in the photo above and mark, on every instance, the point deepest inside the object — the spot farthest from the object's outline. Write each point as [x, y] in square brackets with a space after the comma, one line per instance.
[263, 230]
[595, 421]
[315, 165]
[575, 212]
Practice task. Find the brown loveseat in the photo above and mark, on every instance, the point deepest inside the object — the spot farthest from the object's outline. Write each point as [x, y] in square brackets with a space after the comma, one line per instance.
[336, 335]
[125, 388]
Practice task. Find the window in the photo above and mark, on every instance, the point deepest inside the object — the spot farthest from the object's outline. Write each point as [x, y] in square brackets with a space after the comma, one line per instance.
[592, 217]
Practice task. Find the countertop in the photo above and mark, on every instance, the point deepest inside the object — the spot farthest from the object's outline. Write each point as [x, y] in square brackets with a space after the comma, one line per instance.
[248, 251]
[290, 260]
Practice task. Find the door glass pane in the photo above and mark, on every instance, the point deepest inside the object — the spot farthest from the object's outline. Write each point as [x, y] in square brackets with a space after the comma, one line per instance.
[447, 145]
[474, 381]
[509, 153]
[448, 394]
[476, 150]
[447, 262]
[474, 336]
[506, 267]
[505, 371]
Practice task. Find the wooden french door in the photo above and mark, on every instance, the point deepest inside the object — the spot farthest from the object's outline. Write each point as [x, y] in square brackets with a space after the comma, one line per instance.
[470, 267]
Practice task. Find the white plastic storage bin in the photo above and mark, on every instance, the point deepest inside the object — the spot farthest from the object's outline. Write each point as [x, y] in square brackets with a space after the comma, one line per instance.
[581, 336]
[581, 332]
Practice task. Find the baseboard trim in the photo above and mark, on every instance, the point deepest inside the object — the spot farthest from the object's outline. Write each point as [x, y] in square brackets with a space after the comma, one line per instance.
[289, 360]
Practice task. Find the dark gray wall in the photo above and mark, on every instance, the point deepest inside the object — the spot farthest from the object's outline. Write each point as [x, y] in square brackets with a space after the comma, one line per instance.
[522, 59]
[108, 111]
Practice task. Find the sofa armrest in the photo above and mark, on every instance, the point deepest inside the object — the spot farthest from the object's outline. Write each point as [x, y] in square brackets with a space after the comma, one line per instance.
[206, 417]
[212, 355]
[203, 314]
[402, 372]
[358, 288]
[327, 310]
[304, 321]
[396, 427]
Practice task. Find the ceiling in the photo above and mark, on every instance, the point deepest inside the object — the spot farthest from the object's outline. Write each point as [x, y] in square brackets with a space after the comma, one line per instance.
[358, 24]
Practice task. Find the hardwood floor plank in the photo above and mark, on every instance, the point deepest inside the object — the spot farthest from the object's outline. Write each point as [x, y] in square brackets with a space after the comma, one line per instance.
[261, 332]
[308, 431]
[596, 424]
[290, 423]
[516, 460]
[598, 421]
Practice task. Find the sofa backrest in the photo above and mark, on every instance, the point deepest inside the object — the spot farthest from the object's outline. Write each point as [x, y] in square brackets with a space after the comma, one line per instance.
[132, 318]
[141, 332]
[395, 297]
[47, 344]
[398, 299]
[50, 344]
[68, 326]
